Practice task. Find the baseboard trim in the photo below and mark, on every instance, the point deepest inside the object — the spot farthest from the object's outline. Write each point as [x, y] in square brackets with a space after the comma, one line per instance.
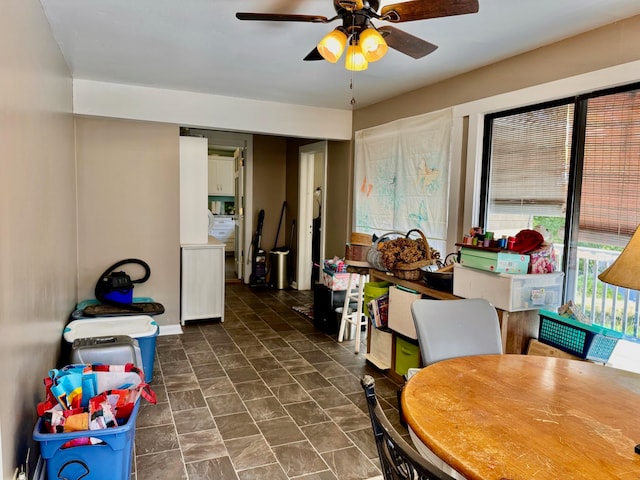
[174, 329]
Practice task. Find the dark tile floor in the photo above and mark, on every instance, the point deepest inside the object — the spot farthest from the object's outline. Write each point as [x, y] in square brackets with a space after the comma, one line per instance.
[263, 395]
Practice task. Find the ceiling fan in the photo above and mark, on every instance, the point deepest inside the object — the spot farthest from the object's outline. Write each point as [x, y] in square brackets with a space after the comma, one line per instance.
[366, 42]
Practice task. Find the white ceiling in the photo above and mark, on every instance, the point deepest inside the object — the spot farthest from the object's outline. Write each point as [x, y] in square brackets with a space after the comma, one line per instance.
[199, 45]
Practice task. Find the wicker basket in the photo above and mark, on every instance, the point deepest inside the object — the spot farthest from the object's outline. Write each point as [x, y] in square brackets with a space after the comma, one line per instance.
[412, 271]
[374, 256]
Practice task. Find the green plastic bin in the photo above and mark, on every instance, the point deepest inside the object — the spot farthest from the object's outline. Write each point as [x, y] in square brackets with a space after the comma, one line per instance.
[407, 356]
[374, 290]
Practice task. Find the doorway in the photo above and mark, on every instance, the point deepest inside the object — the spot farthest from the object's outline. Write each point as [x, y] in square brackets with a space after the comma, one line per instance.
[312, 222]
[238, 148]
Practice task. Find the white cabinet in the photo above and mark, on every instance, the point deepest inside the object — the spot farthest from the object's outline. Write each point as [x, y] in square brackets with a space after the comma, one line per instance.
[221, 176]
[224, 229]
[202, 281]
[193, 190]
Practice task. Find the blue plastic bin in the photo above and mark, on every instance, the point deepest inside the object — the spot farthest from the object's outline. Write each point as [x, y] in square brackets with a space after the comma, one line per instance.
[141, 327]
[110, 460]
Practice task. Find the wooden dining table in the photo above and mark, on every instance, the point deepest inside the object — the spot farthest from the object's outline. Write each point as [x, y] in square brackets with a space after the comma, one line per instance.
[523, 417]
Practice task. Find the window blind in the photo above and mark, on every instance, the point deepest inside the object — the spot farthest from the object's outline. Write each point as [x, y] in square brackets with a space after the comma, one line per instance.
[530, 162]
[610, 201]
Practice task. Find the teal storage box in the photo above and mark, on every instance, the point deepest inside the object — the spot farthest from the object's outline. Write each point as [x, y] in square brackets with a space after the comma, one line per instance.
[591, 342]
[141, 327]
[494, 261]
[110, 459]
[407, 356]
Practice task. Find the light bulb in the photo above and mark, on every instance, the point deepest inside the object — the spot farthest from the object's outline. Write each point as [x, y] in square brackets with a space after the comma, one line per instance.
[354, 59]
[373, 45]
[332, 45]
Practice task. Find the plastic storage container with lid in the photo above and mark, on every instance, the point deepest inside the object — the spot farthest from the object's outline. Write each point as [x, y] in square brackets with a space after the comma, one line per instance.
[141, 327]
[111, 350]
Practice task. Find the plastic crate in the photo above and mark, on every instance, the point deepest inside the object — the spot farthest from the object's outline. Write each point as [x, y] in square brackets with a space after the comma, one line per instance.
[108, 460]
[591, 342]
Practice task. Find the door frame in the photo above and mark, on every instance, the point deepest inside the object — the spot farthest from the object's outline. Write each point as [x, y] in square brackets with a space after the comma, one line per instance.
[308, 155]
[244, 141]
[239, 196]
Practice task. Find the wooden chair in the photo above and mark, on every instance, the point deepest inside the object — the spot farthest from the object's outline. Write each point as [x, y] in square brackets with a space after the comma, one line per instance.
[398, 460]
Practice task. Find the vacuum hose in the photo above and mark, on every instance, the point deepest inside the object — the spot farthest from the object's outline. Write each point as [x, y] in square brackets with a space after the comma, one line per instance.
[106, 280]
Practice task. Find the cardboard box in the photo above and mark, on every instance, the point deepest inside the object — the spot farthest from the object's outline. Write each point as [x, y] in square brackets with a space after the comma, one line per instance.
[509, 292]
[543, 350]
[400, 318]
[491, 261]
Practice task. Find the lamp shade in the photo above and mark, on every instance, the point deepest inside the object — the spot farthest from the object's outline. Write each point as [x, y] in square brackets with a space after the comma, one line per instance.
[355, 60]
[625, 271]
[332, 45]
[373, 45]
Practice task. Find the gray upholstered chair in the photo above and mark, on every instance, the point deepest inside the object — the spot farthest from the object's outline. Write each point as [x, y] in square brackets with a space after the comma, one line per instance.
[449, 329]
[397, 459]
[455, 328]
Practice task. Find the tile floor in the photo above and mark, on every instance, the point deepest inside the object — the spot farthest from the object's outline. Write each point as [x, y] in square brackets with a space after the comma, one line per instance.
[264, 395]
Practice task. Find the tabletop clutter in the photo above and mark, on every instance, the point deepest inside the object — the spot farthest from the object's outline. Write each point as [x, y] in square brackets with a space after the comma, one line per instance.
[513, 272]
[409, 256]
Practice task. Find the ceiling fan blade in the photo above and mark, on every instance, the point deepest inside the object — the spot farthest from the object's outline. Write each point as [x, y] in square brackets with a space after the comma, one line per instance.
[314, 55]
[281, 17]
[406, 43]
[421, 9]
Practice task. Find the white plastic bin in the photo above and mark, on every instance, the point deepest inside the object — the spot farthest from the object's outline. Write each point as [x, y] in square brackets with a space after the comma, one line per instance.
[509, 292]
[141, 327]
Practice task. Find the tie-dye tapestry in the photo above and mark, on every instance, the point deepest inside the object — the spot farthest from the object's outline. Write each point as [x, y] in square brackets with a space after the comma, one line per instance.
[402, 176]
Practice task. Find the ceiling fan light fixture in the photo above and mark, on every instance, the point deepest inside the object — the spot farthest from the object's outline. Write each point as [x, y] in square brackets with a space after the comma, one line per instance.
[355, 59]
[373, 45]
[332, 45]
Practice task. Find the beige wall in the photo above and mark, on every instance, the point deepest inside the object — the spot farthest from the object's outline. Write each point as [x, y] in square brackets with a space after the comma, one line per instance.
[37, 208]
[604, 47]
[128, 206]
[339, 180]
[269, 186]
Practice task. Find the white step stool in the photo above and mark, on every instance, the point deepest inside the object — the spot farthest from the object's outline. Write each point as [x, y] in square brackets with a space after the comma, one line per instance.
[357, 317]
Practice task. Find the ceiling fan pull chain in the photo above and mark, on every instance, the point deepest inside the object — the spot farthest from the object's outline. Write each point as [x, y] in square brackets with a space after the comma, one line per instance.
[353, 98]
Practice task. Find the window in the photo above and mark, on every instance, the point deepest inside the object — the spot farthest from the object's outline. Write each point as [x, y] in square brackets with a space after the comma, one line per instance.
[572, 167]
